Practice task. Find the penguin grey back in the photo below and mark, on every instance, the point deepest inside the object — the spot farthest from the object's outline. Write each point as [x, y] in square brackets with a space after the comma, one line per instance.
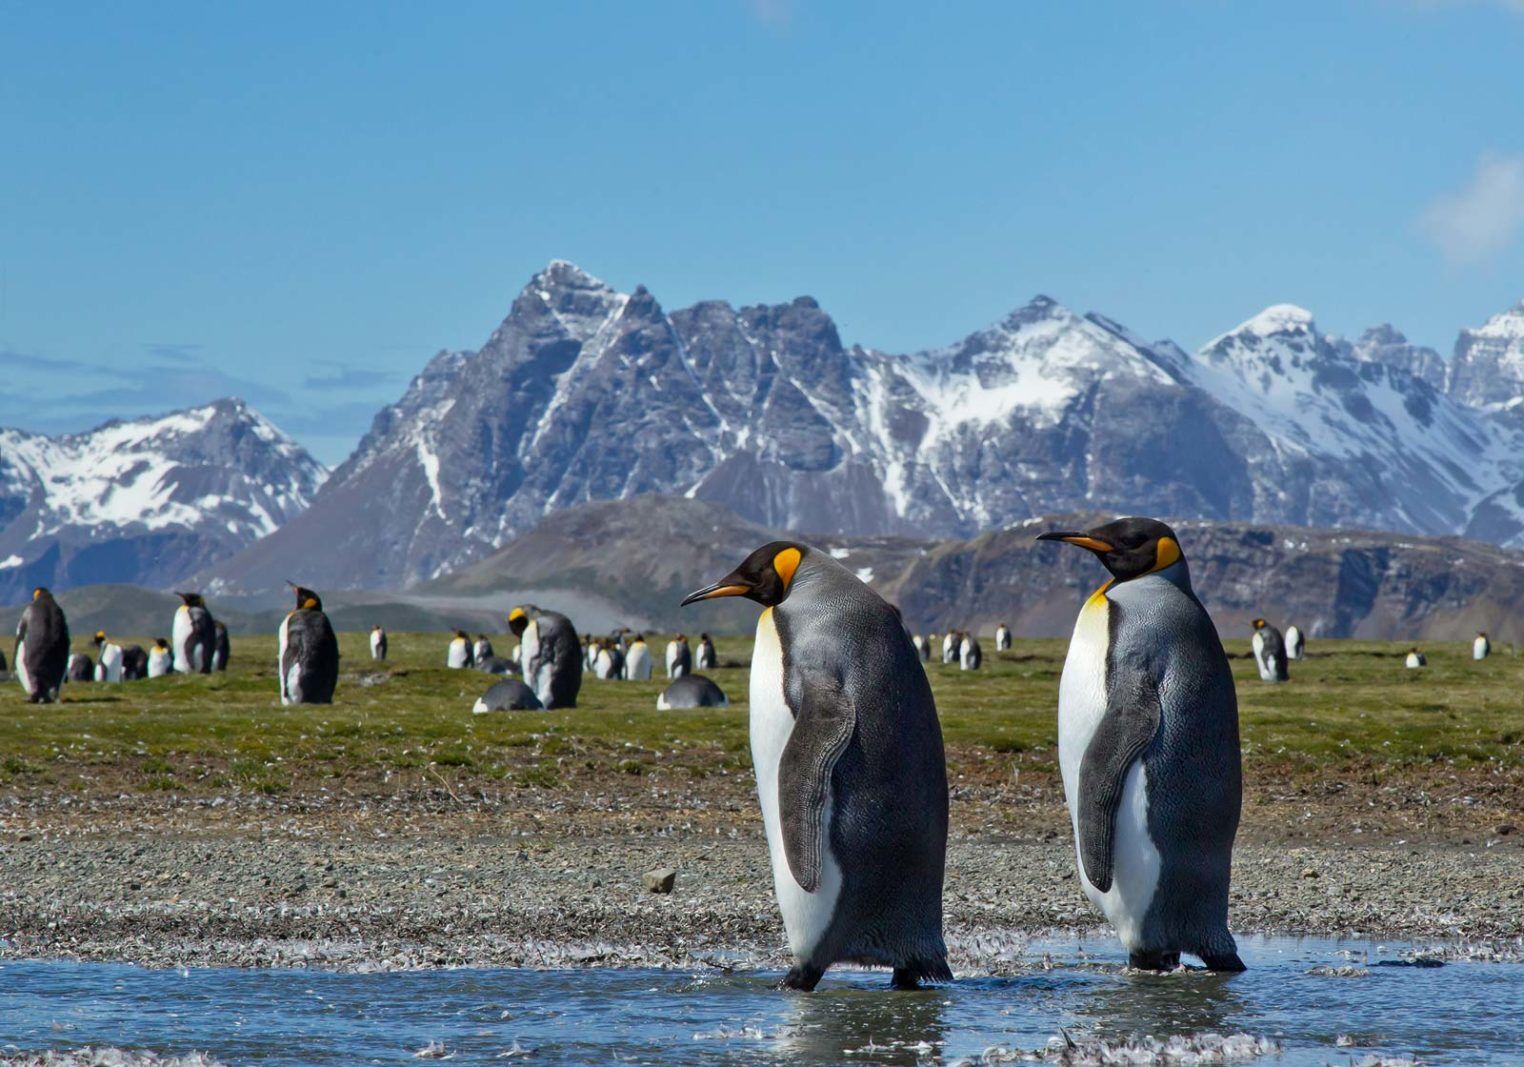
[552, 666]
[692, 691]
[42, 648]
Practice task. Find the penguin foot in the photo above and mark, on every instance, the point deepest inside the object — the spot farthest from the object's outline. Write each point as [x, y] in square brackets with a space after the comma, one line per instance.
[1153, 961]
[1227, 962]
[905, 978]
[802, 977]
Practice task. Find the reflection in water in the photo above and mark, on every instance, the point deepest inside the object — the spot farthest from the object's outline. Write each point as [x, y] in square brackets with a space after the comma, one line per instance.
[1127, 1004]
[871, 1025]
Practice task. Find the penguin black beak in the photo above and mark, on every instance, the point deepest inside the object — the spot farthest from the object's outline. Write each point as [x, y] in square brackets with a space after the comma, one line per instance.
[1074, 538]
[723, 587]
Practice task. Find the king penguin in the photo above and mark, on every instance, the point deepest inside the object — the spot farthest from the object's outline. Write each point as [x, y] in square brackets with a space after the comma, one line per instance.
[482, 649]
[134, 663]
[1148, 751]
[970, 655]
[637, 661]
[309, 652]
[194, 635]
[1269, 652]
[1416, 659]
[705, 659]
[377, 642]
[1002, 638]
[851, 775]
[679, 657]
[548, 654]
[459, 655]
[220, 647]
[42, 648]
[108, 663]
[950, 646]
[1481, 648]
[161, 660]
[81, 668]
[1296, 644]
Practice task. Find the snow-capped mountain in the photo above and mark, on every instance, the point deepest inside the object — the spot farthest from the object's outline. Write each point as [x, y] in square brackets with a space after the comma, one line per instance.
[1488, 368]
[147, 501]
[584, 393]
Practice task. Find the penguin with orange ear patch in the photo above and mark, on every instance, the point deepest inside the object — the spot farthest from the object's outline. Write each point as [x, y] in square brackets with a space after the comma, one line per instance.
[1148, 751]
[850, 770]
[309, 652]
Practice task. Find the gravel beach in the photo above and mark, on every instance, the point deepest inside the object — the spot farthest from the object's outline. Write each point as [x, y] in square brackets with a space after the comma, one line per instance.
[556, 878]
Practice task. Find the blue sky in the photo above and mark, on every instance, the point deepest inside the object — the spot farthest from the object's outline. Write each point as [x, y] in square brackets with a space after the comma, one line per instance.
[300, 203]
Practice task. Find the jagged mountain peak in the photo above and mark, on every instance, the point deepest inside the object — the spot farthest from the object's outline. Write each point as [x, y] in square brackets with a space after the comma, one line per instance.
[1505, 325]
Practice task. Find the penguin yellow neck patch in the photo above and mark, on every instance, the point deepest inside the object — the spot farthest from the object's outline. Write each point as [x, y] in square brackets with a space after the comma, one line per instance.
[786, 563]
[1168, 554]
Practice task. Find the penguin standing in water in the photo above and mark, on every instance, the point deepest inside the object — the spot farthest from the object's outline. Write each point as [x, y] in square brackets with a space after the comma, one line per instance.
[548, 654]
[1269, 652]
[42, 648]
[850, 770]
[482, 649]
[459, 655]
[1416, 659]
[220, 647]
[108, 663]
[1481, 648]
[1148, 751]
[970, 655]
[1296, 644]
[1002, 638]
[679, 657]
[705, 659]
[134, 663]
[194, 635]
[309, 652]
[637, 661]
[377, 642]
[161, 660]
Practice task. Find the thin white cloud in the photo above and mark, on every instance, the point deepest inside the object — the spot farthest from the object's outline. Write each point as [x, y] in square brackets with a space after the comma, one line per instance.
[779, 14]
[1485, 217]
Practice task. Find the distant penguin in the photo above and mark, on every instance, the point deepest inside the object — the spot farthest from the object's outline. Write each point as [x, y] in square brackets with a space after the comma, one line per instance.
[850, 769]
[220, 647]
[704, 658]
[970, 655]
[920, 645]
[161, 660]
[1002, 638]
[81, 668]
[1296, 644]
[692, 691]
[950, 646]
[508, 695]
[194, 635]
[589, 654]
[1269, 652]
[42, 648]
[134, 663]
[459, 655]
[482, 649]
[1481, 648]
[1148, 751]
[679, 657]
[377, 642]
[515, 656]
[309, 652]
[1416, 659]
[637, 661]
[495, 665]
[609, 663]
[108, 663]
[549, 656]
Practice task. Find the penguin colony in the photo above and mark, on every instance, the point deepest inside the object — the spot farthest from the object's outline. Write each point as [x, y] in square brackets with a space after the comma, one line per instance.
[846, 742]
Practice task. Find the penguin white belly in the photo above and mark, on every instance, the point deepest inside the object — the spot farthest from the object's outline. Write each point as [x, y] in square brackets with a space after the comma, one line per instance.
[457, 658]
[109, 669]
[23, 675]
[280, 663]
[536, 674]
[1081, 707]
[159, 664]
[638, 666]
[177, 638]
[375, 645]
[806, 916]
[1479, 649]
[1262, 661]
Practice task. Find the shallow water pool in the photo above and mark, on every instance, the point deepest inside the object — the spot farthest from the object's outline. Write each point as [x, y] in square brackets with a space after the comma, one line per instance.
[1458, 1012]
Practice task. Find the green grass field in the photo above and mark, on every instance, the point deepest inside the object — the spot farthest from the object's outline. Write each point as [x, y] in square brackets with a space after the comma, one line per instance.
[1351, 702]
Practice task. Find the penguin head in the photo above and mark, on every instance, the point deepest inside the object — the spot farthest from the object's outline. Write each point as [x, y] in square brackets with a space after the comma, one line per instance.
[1128, 548]
[763, 576]
[1260, 624]
[518, 618]
[42, 593]
[100, 638]
[161, 644]
[191, 600]
[306, 599]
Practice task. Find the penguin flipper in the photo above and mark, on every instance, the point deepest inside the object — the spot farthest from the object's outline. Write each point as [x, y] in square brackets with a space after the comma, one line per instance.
[823, 724]
[1133, 714]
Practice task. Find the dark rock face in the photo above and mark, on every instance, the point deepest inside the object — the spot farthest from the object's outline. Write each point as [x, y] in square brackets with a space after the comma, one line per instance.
[148, 501]
[585, 394]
